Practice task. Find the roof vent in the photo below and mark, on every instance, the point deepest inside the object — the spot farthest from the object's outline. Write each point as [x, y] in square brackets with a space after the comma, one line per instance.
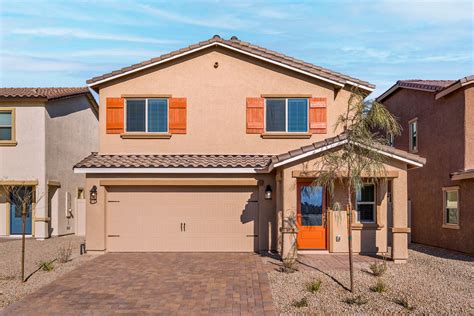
[234, 38]
[216, 36]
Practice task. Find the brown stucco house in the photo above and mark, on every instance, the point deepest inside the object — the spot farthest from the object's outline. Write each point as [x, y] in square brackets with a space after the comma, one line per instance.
[43, 132]
[437, 117]
[207, 149]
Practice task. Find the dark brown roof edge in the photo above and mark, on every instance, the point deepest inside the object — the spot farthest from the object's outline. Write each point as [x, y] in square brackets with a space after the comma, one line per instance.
[249, 48]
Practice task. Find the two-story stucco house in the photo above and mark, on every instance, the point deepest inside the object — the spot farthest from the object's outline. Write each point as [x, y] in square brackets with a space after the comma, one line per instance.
[437, 117]
[206, 149]
[43, 132]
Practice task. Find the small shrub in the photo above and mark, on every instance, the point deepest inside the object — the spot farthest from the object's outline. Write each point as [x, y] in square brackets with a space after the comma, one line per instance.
[357, 300]
[289, 265]
[46, 266]
[379, 286]
[378, 268]
[403, 301]
[301, 303]
[64, 253]
[314, 286]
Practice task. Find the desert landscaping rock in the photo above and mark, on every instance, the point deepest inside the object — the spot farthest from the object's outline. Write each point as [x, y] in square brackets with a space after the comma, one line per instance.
[434, 281]
[11, 287]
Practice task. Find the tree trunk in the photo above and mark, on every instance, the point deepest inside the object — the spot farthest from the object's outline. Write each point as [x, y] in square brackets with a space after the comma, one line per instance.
[349, 233]
[23, 232]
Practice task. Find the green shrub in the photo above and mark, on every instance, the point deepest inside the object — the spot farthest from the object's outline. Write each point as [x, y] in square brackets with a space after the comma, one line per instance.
[301, 303]
[378, 268]
[314, 286]
[379, 286]
[403, 301]
[46, 266]
[357, 300]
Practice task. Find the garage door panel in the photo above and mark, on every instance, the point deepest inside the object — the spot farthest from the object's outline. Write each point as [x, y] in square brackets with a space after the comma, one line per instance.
[150, 218]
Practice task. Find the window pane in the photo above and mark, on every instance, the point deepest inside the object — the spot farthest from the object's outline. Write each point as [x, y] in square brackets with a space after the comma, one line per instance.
[365, 213]
[5, 118]
[366, 194]
[157, 115]
[297, 115]
[135, 115]
[311, 206]
[452, 207]
[413, 135]
[275, 115]
[452, 216]
[5, 133]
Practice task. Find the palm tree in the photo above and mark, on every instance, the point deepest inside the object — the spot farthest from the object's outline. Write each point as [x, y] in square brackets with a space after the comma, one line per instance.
[365, 126]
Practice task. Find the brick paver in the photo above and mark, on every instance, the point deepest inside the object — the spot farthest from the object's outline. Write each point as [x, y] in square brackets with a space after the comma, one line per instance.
[329, 262]
[157, 283]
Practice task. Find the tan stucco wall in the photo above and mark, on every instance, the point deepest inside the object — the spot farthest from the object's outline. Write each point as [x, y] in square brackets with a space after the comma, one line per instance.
[365, 240]
[216, 103]
[71, 134]
[26, 160]
[96, 213]
[446, 140]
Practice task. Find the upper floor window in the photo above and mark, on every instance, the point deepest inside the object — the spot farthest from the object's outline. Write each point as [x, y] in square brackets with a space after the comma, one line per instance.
[451, 207]
[413, 129]
[7, 126]
[286, 115]
[365, 204]
[147, 115]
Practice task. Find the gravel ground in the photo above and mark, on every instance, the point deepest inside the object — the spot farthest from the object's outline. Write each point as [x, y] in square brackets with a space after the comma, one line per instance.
[434, 281]
[11, 287]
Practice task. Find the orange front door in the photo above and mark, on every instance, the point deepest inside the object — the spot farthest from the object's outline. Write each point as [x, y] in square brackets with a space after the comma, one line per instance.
[311, 217]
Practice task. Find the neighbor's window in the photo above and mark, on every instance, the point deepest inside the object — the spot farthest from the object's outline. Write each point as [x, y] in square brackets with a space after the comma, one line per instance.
[451, 206]
[390, 140]
[147, 115]
[365, 200]
[6, 125]
[413, 125]
[286, 115]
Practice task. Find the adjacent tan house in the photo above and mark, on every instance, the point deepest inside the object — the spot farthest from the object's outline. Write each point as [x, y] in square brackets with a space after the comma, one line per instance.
[437, 117]
[210, 148]
[43, 132]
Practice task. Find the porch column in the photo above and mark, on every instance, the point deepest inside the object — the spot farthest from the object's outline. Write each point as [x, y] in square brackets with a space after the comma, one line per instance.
[400, 219]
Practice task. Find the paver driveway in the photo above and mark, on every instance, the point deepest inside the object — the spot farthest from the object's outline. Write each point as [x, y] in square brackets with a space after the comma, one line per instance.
[165, 283]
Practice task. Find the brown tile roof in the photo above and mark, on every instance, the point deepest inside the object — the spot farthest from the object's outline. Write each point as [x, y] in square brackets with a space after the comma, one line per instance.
[249, 48]
[332, 140]
[434, 85]
[96, 160]
[42, 93]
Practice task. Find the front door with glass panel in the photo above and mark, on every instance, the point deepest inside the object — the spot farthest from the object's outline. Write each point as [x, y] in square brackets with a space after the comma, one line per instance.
[24, 193]
[311, 217]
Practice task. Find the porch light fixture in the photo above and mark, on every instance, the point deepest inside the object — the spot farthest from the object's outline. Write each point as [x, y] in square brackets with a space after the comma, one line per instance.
[268, 192]
[93, 195]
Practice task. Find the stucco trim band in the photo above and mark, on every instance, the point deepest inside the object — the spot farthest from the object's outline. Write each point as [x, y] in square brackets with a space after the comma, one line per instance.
[19, 182]
[181, 182]
[54, 183]
[396, 230]
[286, 135]
[145, 136]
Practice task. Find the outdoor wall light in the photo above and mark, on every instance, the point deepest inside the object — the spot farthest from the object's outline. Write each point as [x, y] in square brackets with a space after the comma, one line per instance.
[93, 195]
[268, 192]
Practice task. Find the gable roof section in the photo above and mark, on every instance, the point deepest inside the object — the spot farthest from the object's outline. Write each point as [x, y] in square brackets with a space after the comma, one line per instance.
[42, 93]
[334, 142]
[255, 51]
[416, 84]
[455, 85]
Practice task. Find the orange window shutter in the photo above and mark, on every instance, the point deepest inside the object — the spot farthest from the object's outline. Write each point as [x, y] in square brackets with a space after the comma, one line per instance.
[318, 115]
[114, 115]
[255, 115]
[177, 115]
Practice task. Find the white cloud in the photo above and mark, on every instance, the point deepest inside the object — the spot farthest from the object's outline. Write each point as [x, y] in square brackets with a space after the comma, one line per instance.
[82, 34]
[219, 22]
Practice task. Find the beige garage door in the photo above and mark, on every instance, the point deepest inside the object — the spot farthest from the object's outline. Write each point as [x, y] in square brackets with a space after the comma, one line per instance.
[192, 219]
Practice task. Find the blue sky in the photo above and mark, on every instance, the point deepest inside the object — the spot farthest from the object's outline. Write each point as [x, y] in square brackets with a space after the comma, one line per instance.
[64, 43]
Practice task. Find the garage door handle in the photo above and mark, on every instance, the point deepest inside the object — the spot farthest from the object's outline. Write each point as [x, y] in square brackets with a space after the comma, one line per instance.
[184, 226]
[113, 235]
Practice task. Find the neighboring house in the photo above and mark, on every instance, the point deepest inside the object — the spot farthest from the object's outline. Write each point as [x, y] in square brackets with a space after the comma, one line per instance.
[437, 117]
[43, 132]
[207, 149]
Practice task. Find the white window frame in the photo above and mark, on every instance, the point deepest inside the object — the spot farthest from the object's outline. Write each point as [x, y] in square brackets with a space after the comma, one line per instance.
[445, 213]
[146, 115]
[410, 135]
[374, 206]
[286, 116]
